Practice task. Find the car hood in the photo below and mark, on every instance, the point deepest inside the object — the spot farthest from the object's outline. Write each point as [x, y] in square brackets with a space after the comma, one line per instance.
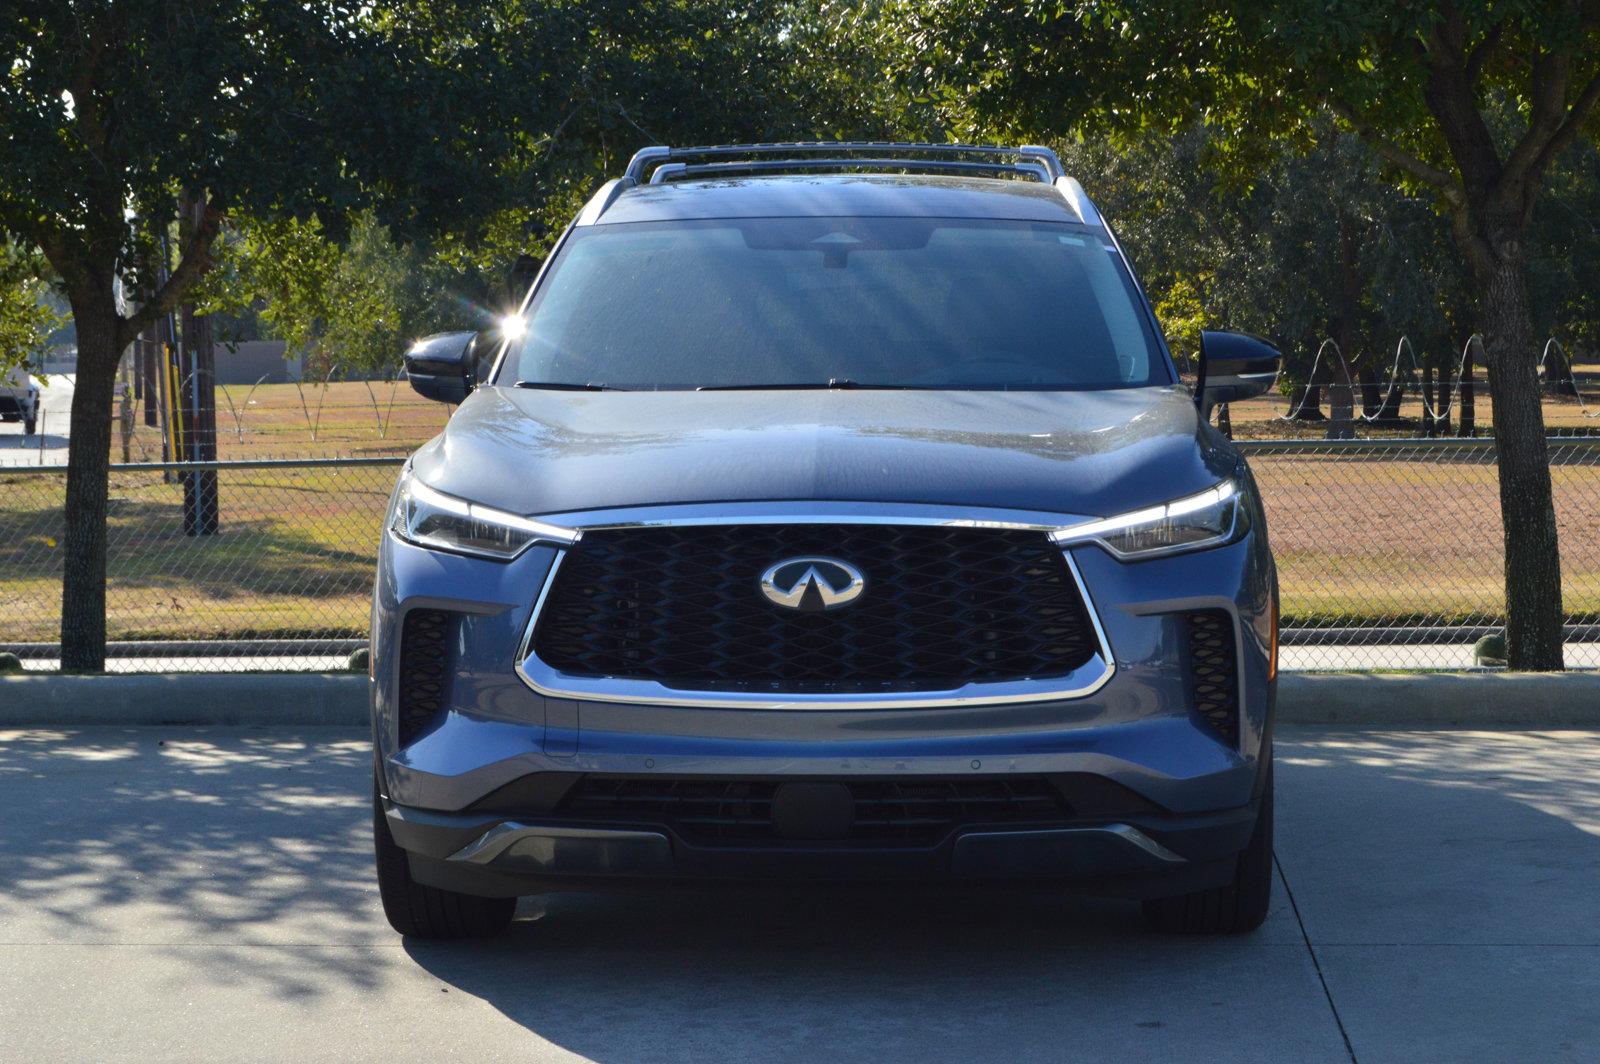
[1083, 453]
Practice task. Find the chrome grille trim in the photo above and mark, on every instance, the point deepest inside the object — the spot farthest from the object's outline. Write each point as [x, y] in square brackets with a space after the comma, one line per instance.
[815, 513]
[552, 683]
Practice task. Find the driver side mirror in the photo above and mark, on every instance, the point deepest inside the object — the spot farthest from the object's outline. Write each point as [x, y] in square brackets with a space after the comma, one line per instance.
[1234, 366]
[442, 366]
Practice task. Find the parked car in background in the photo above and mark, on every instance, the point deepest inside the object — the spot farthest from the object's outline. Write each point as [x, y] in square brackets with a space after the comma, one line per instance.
[827, 512]
[19, 398]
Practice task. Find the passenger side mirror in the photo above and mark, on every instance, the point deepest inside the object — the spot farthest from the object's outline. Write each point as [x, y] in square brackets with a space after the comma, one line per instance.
[1234, 366]
[442, 366]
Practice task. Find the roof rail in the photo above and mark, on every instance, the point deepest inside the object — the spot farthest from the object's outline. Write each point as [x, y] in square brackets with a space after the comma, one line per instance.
[675, 171]
[662, 164]
[1074, 194]
[603, 198]
[1030, 159]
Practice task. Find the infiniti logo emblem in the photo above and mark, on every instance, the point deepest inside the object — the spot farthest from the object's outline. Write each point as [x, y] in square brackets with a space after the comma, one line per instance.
[812, 584]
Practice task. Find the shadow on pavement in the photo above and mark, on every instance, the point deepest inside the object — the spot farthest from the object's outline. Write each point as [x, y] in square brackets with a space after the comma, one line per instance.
[15, 441]
[1437, 838]
[213, 843]
[861, 975]
[201, 840]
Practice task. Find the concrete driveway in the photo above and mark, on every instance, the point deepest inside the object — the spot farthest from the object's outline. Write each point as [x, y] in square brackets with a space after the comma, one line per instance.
[49, 445]
[206, 894]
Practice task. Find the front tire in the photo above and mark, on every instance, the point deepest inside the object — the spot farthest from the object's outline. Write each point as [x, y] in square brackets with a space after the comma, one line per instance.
[420, 911]
[29, 425]
[1235, 908]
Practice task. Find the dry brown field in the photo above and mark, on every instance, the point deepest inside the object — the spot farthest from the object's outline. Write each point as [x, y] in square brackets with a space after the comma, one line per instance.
[1358, 541]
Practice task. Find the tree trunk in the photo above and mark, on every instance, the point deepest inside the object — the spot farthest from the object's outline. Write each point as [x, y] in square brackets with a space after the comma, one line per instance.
[1469, 394]
[83, 583]
[1371, 391]
[1308, 403]
[1444, 392]
[1532, 559]
[1558, 372]
[1428, 400]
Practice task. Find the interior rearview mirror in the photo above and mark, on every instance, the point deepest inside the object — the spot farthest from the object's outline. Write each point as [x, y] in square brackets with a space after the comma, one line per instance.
[442, 366]
[1234, 366]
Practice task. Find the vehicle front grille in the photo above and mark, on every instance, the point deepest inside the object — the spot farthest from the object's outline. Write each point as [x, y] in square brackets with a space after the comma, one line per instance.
[1214, 671]
[942, 607]
[424, 669]
[903, 811]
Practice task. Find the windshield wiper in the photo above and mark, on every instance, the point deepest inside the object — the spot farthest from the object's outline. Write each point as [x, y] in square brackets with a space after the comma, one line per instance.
[566, 386]
[830, 383]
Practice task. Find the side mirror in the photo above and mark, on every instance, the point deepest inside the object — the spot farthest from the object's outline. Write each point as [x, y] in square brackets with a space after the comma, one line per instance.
[441, 366]
[1234, 366]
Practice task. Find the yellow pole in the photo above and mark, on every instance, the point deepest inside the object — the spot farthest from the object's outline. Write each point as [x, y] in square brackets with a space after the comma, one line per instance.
[176, 417]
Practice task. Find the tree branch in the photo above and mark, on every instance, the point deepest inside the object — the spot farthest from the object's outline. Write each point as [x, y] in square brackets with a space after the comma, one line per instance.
[192, 265]
[1548, 88]
[1567, 132]
[1395, 154]
[1484, 51]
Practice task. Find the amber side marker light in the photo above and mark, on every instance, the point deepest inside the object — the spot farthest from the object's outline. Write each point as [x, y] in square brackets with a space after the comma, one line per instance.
[1272, 655]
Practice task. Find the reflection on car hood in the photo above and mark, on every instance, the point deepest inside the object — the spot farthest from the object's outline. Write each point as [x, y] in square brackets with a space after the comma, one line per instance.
[1090, 453]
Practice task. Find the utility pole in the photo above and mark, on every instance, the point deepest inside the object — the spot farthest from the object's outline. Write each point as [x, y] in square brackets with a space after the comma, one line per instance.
[166, 342]
[145, 375]
[197, 398]
[125, 403]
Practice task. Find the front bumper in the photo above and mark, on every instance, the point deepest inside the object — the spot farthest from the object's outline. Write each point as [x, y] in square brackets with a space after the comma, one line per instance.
[1140, 730]
[493, 855]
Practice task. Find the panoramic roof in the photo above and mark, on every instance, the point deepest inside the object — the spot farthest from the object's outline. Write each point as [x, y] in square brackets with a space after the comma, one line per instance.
[882, 195]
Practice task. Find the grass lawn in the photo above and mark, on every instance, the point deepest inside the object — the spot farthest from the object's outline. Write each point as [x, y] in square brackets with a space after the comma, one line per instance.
[378, 417]
[312, 420]
[1362, 540]
[1357, 540]
[294, 557]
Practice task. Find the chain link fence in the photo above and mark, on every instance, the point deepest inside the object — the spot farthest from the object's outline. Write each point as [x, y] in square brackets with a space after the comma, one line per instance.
[283, 583]
[1389, 553]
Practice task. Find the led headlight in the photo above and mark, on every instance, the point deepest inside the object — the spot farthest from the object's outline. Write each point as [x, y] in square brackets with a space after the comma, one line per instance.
[430, 518]
[1213, 517]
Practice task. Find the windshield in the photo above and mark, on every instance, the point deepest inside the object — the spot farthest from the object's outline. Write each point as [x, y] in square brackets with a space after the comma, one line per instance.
[836, 302]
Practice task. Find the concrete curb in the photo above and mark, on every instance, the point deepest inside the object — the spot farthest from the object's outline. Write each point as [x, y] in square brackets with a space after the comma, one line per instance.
[1398, 700]
[1462, 699]
[185, 698]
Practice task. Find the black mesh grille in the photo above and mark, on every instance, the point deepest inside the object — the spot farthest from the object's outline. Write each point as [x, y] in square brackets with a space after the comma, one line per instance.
[424, 669]
[909, 811]
[1214, 671]
[942, 607]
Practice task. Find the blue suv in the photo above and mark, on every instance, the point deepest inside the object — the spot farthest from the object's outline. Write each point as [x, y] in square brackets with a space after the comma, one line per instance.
[827, 511]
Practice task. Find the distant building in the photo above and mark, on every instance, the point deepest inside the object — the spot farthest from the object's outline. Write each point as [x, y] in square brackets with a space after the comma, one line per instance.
[253, 360]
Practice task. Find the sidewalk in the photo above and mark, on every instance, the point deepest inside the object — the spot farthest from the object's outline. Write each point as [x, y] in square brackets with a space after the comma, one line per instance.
[206, 894]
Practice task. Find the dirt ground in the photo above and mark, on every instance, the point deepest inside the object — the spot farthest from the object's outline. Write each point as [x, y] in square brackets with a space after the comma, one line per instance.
[387, 417]
[1359, 540]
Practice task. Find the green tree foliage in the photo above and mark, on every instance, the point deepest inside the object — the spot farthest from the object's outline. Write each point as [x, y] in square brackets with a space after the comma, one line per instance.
[353, 305]
[1315, 245]
[112, 109]
[1469, 101]
[1564, 252]
[440, 116]
[26, 318]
